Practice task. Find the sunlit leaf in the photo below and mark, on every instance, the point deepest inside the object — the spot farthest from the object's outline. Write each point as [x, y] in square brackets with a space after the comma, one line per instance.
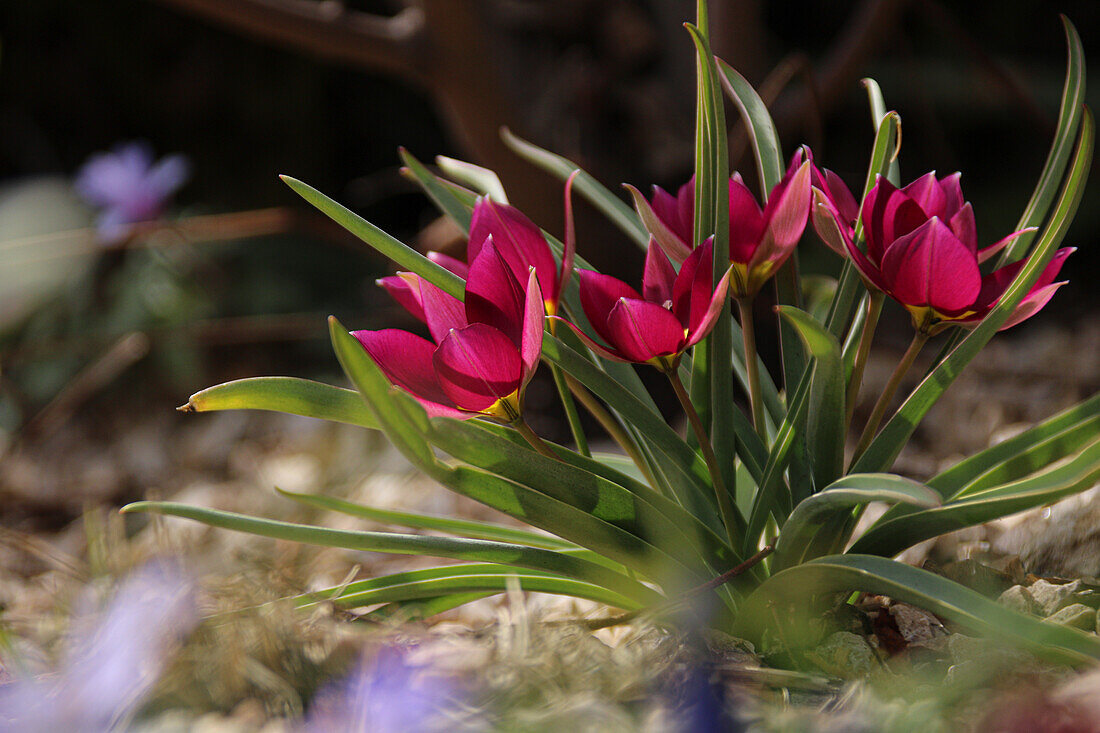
[290, 395]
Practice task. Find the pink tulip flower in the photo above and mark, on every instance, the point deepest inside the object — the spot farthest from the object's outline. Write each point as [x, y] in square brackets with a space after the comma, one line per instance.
[673, 313]
[483, 352]
[760, 241]
[922, 250]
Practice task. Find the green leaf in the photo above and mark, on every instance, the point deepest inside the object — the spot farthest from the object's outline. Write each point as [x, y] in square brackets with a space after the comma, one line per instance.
[825, 420]
[401, 611]
[614, 208]
[878, 112]
[712, 398]
[290, 395]
[401, 253]
[761, 128]
[459, 527]
[773, 403]
[402, 544]
[838, 499]
[480, 179]
[460, 579]
[1016, 457]
[440, 195]
[890, 536]
[1069, 120]
[886, 446]
[784, 596]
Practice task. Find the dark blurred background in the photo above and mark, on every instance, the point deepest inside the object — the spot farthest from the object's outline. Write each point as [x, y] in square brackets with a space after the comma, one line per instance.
[327, 91]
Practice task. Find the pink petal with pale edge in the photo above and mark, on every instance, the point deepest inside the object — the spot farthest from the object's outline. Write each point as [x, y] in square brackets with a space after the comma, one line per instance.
[786, 215]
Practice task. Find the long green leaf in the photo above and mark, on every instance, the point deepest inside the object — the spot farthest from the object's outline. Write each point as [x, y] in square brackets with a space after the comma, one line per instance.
[878, 112]
[1069, 120]
[613, 207]
[784, 595]
[895, 534]
[839, 498]
[458, 527]
[761, 128]
[480, 179]
[440, 194]
[401, 253]
[825, 419]
[290, 395]
[402, 544]
[885, 447]
[1063, 430]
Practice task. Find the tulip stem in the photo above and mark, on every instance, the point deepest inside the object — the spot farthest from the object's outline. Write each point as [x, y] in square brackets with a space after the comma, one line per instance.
[571, 414]
[612, 427]
[887, 395]
[752, 371]
[730, 516]
[874, 310]
[532, 437]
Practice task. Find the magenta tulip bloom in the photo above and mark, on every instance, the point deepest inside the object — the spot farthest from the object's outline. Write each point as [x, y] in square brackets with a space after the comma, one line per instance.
[674, 311]
[522, 246]
[922, 251]
[403, 287]
[483, 352]
[760, 241]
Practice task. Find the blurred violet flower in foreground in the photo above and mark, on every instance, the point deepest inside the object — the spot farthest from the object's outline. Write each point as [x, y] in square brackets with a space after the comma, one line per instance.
[127, 186]
[112, 663]
[385, 695]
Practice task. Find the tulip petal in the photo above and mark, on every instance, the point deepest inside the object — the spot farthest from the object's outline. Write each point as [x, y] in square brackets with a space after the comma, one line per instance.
[442, 311]
[642, 331]
[493, 295]
[840, 196]
[927, 194]
[1032, 304]
[828, 223]
[476, 366]
[692, 289]
[887, 214]
[952, 192]
[746, 222]
[698, 331]
[786, 215]
[407, 295]
[453, 264]
[599, 294]
[530, 347]
[673, 244]
[519, 241]
[931, 267]
[995, 283]
[962, 224]
[406, 360]
[987, 252]
[659, 275]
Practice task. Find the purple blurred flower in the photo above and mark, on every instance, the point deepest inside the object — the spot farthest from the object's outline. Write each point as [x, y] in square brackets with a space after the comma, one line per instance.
[127, 186]
[110, 664]
[387, 695]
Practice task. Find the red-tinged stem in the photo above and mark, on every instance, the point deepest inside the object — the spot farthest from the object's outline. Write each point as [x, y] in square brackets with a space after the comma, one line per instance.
[888, 393]
[874, 310]
[730, 517]
[531, 437]
[752, 371]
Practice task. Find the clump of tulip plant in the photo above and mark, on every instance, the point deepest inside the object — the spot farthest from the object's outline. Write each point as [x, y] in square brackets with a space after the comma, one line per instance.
[753, 514]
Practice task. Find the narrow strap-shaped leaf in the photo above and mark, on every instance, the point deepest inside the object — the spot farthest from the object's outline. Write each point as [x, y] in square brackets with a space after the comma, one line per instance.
[782, 598]
[479, 178]
[1071, 422]
[458, 527]
[404, 544]
[406, 425]
[712, 219]
[423, 607]
[762, 133]
[878, 112]
[773, 403]
[895, 534]
[885, 447]
[289, 395]
[840, 498]
[613, 207]
[1069, 120]
[825, 419]
[462, 582]
[441, 196]
[404, 255]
